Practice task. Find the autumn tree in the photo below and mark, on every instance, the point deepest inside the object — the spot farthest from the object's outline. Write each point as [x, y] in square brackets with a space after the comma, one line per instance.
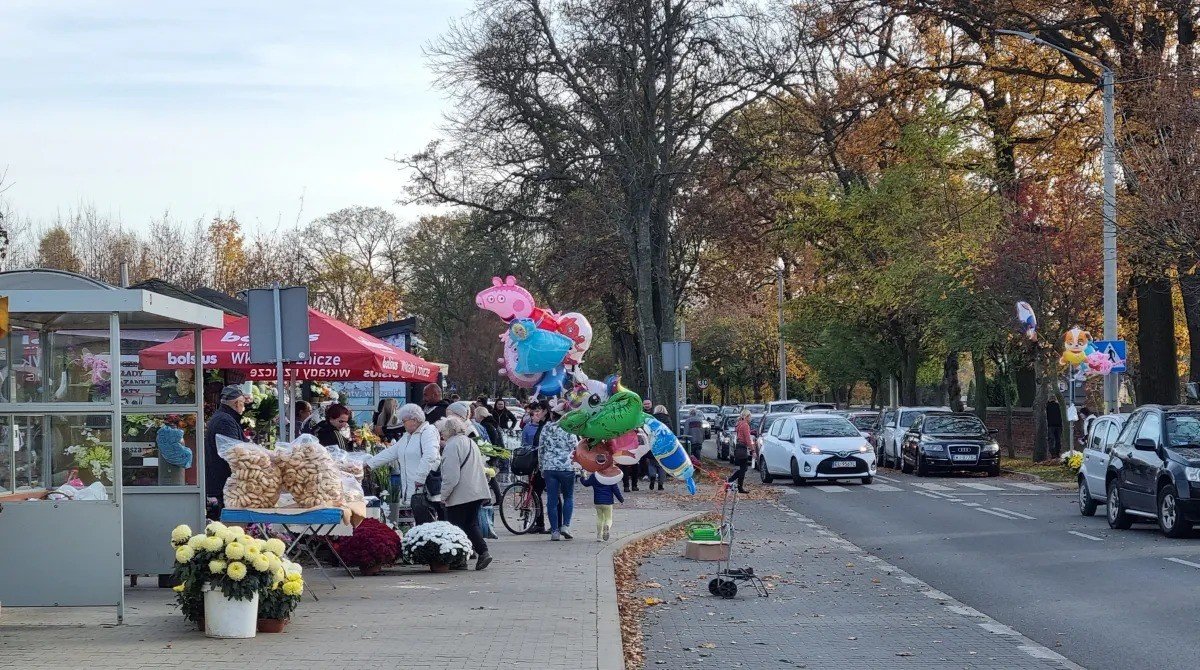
[55, 251]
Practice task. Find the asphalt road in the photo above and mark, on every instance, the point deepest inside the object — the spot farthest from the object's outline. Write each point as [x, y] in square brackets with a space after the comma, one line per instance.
[1023, 554]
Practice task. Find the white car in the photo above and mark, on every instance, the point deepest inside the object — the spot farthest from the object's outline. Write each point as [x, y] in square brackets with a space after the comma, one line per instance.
[815, 446]
[892, 428]
[1101, 435]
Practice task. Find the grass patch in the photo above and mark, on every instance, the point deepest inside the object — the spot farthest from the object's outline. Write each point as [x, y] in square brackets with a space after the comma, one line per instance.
[1051, 470]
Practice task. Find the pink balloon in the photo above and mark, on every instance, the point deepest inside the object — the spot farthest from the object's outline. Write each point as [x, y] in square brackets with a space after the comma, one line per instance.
[629, 448]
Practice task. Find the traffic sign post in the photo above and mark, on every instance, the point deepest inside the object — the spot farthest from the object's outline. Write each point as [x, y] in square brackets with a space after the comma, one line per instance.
[677, 357]
[278, 329]
[1115, 350]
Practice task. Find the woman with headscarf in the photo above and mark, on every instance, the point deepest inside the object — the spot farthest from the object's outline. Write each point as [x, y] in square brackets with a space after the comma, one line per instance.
[415, 454]
[464, 484]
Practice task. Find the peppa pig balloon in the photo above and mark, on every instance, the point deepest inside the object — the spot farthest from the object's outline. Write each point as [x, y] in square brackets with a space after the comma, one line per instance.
[506, 299]
[537, 350]
[1098, 363]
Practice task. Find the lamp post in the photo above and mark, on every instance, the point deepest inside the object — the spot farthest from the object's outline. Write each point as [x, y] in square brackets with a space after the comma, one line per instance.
[1109, 208]
[782, 350]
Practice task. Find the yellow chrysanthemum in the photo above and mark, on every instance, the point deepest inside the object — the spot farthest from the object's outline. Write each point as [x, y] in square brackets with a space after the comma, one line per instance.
[293, 588]
[215, 527]
[196, 542]
[213, 544]
[235, 550]
[177, 588]
[252, 549]
[275, 546]
[277, 578]
[216, 566]
[180, 534]
[261, 563]
[227, 536]
[184, 554]
[293, 576]
[236, 571]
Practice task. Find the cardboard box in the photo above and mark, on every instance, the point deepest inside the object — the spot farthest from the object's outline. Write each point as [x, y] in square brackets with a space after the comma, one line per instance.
[699, 550]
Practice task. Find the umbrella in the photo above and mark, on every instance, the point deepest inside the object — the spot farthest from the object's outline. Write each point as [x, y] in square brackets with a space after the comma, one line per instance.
[336, 352]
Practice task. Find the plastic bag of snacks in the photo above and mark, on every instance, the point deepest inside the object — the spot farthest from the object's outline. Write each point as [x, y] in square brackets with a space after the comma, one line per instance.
[352, 466]
[254, 480]
[309, 472]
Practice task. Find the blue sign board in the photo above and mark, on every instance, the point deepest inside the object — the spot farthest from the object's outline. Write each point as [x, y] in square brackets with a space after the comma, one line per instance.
[1115, 350]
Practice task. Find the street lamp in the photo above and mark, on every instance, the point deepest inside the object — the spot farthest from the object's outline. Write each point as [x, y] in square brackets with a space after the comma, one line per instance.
[1109, 210]
[782, 350]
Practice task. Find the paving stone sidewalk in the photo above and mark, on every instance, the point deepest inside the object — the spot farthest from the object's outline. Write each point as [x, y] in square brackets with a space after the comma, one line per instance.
[832, 606]
[536, 606]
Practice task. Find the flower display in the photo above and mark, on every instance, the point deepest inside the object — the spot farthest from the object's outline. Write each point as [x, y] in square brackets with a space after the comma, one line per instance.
[213, 543]
[93, 455]
[184, 554]
[216, 566]
[218, 560]
[261, 563]
[293, 588]
[280, 600]
[372, 544]
[196, 541]
[437, 542]
[180, 534]
[275, 546]
[235, 550]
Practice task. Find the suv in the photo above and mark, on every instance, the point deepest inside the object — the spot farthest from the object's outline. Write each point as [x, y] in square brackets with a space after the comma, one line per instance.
[1154, 470]
[891, 431]
[1097, 445]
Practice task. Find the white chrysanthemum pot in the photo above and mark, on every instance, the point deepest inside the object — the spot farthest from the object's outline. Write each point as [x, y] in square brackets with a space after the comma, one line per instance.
[228, 618]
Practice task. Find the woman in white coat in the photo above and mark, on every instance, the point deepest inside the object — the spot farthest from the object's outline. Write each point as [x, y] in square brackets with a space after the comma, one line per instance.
[412, 457]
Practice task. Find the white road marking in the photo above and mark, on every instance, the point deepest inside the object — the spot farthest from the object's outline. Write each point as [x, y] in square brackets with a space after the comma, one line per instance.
[832, 488]
[980, 487]
[927, 494]
[911, 581]
[1008, 511]
[1029, 487]
[1085, 536]
[882, 487]
[936, 595]
[886, 479]
[934, 487]
[971, 504]
[1002, 516]
[958, 500]
[1042, 652]
[1183, 562]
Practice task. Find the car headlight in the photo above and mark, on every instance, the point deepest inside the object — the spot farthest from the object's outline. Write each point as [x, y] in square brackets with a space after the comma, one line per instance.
[1192, 474]
[992, 448]
[810, 449]
[863, 449]
[933, 448]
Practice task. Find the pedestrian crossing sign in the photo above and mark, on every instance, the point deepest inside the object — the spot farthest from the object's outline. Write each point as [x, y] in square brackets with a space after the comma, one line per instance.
[1115, 350]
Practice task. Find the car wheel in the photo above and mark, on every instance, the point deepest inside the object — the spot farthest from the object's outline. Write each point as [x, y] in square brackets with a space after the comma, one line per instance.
[904, 466]
[993, 471]
[1087, 506]
[922, 469]
[868, 479]
[796, 478]
[1171, 520]
[763, 472]
[1117, 518]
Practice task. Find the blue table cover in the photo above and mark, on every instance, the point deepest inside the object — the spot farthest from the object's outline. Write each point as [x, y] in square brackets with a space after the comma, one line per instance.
[317, 517]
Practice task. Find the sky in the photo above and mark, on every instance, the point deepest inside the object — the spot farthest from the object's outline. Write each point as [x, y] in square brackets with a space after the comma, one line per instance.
[142, 106]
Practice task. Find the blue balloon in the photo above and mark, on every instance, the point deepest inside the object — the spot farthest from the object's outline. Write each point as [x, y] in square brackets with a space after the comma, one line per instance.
[538, 350]
[551, 383]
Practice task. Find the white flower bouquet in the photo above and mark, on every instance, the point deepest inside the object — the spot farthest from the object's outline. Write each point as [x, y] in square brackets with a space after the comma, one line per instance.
[439, 542]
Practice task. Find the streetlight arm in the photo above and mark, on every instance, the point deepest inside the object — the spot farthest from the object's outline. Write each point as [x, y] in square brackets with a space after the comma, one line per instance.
[1067, 52]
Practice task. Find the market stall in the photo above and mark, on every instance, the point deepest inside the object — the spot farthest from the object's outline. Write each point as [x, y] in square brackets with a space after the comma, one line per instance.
[80, 473]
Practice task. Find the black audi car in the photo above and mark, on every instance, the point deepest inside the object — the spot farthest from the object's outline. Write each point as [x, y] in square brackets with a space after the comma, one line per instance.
[945, 441]
[1154, 470]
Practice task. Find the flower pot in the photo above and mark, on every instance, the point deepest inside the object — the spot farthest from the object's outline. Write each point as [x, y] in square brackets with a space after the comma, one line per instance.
[370, 570]
[439, 567]
[272, 625]
[226, 618]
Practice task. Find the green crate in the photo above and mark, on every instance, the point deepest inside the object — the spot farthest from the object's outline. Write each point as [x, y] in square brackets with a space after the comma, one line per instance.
[703, 532]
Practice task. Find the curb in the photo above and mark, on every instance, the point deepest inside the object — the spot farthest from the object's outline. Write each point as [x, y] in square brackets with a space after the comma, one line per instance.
[610, 647]
[1034, 479]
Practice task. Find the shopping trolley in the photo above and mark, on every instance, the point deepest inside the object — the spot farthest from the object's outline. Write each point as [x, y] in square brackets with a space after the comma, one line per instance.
[725, 583]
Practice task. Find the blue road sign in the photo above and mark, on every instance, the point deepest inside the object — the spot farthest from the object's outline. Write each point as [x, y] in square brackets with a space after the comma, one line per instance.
[1115, 350]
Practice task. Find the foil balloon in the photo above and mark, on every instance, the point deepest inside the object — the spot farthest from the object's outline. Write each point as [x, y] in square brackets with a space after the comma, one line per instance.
[629, 448]
[1098, 363]
[537, 350]
[509, 365]
[1076, 346]
[669, 452]
[575, 326]
[506, 299]
[608, 477]
[551, 382]
[1027, 320]
[597, 420]
[597, 458]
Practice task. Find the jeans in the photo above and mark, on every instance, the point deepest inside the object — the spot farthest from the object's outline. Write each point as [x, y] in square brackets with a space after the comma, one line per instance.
[739, 475]
[1054, 439]
[654, 471]
[559, 484]
[466, 517]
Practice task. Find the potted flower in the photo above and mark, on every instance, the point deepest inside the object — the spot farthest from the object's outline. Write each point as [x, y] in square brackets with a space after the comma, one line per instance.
[276, 604]
[220, 574]
[372, 546]
[438, 545]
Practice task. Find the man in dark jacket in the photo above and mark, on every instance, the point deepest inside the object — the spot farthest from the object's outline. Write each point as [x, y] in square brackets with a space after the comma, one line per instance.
[1054, 426]
[433, 404]
[227, 421]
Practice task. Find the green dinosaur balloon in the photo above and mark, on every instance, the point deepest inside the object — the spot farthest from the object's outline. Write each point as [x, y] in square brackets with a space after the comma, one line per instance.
[621, 413]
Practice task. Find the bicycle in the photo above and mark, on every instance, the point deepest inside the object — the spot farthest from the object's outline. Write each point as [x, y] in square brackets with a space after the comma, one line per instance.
[519, 507]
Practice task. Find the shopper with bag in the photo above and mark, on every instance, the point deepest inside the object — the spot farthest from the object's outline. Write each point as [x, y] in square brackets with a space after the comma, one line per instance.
[464, 484]
[414, 460]
[744, 451]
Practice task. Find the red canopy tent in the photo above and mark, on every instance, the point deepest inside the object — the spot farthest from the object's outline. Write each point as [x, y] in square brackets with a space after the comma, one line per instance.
[337, 352]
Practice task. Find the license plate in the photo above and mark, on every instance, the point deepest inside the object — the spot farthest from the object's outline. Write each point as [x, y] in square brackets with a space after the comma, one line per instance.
[844, 464]
[963, 457]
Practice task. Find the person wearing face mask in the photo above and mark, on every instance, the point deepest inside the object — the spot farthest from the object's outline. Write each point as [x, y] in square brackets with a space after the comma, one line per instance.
[334, 430]
[227, 421]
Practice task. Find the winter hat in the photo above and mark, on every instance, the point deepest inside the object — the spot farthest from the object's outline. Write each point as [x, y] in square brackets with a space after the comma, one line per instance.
[460, 409]
[232, 392]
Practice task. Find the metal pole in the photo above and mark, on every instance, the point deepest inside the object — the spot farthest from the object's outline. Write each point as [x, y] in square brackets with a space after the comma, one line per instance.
[782, 350]
[1070, 405]
[279, 363]
[650, 376]
[682, 369]
[1110, 231]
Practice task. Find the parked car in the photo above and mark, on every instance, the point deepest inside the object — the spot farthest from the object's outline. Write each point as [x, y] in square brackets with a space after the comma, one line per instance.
[867, 423]
[1154, 470]
[820, 407]
[726, 437]
[891, 431]
[761, 424]
[943, 441]
[814, 446]
[783, 406]
[1101, 436]
[754, 409]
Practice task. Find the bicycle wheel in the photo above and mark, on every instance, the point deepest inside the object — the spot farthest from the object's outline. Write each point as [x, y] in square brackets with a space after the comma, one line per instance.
[517, 510]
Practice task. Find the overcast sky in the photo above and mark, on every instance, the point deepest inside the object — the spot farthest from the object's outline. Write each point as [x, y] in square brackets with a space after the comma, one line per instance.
[139, 106]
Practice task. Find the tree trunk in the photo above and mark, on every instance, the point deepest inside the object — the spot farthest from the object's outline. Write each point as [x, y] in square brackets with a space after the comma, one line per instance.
[626, 348]
[950, 382]
[909, 362]
[1040, 429]
[1026, 382]
[1189, 288]
[979, 364]
[1157, 371]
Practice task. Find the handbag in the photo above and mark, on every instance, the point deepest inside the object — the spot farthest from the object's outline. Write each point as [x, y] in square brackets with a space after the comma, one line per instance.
[741, 452]
[433, 480]
[524, 461]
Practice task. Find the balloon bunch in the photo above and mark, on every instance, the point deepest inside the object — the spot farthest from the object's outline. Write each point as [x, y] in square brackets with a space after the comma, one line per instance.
[1078, 351]
[539, 345]
[615, 431]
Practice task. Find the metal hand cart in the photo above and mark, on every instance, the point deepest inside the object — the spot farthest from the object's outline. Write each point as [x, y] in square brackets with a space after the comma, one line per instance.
[725, 583]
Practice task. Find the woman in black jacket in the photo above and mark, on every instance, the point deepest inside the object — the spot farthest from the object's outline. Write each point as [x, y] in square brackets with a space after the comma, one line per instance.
[329, 431]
